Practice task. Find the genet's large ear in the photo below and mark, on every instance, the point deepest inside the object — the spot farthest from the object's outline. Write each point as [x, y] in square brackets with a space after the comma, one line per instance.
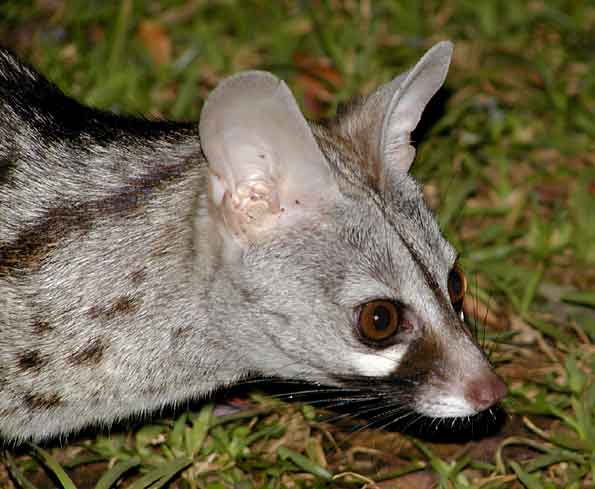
[383, 124]
[409, 99]
[263, 159]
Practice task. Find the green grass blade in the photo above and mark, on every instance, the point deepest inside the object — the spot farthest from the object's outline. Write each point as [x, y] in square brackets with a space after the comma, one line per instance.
[119, 38]
[175, 439]
[51, 464]
[200, 429]
[531, 289]
[528, 480]
[581, 298]
[161, 475]
[109, 478]
[16, 473]
[304, 463]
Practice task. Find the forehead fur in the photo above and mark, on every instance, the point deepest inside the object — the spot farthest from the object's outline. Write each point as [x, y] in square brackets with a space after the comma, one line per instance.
[398, 204]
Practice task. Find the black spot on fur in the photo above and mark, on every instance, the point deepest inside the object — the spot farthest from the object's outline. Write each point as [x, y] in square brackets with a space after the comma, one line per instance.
[32, 361]
[42, 401]
[137, 277]
[122, 306]
[181, 333]
[246, 295]
[90, 355]
[41, 326]
[95, 312]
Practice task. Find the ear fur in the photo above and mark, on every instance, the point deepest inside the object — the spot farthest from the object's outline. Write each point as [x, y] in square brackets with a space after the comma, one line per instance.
[263, 157]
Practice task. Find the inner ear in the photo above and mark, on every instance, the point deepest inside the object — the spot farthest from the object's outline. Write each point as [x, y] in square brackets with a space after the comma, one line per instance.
[411, 94]
[263, 157]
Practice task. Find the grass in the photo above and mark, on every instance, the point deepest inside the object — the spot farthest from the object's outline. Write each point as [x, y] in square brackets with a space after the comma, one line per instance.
[507, 156]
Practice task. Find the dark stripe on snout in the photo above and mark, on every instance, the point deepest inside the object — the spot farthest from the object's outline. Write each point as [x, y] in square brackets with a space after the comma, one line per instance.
[423, 360]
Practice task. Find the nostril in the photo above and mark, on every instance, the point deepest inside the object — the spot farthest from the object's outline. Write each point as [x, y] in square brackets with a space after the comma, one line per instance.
[485, 391]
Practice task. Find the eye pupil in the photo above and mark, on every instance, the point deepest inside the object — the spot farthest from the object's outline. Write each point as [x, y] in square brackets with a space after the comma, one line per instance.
[381, 318]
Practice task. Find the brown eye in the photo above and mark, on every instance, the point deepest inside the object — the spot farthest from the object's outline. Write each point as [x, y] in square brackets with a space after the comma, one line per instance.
[378, 320]
[457, 286]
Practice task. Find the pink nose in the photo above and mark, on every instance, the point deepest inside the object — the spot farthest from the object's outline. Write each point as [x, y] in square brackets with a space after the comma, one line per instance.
[485, 391]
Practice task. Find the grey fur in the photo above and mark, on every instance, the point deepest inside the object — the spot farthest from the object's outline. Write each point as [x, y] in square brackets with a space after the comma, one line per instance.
[123, 287]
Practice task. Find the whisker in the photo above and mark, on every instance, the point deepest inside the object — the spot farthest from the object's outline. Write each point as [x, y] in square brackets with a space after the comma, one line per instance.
[335, 401]
[357, 413]
[413, 421]
[395, 408]
[395, 420]
[262, 379]
[341, 401]
[377, 418]
[312, 391]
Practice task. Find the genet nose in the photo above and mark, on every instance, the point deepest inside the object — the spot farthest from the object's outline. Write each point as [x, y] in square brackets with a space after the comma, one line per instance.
[484, 391]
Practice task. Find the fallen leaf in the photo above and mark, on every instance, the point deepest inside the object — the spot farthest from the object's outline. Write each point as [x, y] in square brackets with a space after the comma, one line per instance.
[156, 40]
[316, 77]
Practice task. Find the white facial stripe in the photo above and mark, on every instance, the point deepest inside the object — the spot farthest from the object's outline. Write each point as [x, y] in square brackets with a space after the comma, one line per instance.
[445, 406]
[378, 364]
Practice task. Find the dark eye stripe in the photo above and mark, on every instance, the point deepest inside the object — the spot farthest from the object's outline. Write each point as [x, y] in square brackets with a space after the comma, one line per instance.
[444, 302]
[428, 277]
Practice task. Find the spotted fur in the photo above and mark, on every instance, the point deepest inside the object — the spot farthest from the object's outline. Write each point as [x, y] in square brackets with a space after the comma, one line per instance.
[122, 288]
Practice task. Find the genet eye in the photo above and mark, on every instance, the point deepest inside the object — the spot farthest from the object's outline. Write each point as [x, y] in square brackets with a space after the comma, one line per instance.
[457, 286]
[378, 320]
